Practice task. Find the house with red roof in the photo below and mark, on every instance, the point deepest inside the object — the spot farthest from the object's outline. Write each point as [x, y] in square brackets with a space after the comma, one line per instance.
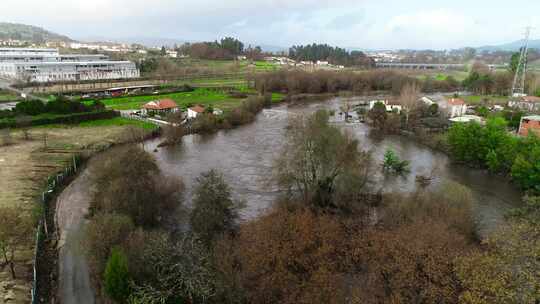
[160, 107]
[529, 124]
[454, 107]
[194, 111]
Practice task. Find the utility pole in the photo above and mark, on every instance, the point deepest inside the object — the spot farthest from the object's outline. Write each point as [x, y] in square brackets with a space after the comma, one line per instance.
[518, 87]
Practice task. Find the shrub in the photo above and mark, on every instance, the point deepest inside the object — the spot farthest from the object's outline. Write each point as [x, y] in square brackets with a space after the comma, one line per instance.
[116, 278]
[30, 107]
[392, 163]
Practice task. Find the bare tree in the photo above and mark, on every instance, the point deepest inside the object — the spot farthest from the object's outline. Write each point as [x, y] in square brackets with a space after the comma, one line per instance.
[24, 122]
[6, 138]
[15, 232]
[409, 99]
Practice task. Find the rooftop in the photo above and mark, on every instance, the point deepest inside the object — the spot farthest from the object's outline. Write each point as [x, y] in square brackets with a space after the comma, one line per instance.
[530, 99]
[197, 109]
[532, 117]
[161, 104]
[456, 101]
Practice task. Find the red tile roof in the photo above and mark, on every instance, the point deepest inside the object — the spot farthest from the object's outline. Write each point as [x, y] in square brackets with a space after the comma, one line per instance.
[456, 102]
[533, 99]
[197, 109]
[161, 104]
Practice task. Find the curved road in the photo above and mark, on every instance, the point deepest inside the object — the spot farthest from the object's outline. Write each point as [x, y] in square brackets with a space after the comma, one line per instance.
[74, 277]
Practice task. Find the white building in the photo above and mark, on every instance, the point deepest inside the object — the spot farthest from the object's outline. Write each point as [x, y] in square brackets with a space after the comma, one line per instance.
[172, 54]
[454, 107]
[28, 51]
[47, 65]
[193, 112]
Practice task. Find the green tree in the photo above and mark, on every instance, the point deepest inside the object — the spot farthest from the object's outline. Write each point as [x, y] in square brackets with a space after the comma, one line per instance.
[392, 163]
[526, 167]
[317, 158]
[514, 62]
[116, 278]
[214, 211]
[378, 115]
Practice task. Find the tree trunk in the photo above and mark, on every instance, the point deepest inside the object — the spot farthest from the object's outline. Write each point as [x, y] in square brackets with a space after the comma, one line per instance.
[12, 268]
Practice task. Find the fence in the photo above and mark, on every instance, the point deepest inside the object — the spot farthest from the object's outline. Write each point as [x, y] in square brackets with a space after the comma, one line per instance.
[53, 184]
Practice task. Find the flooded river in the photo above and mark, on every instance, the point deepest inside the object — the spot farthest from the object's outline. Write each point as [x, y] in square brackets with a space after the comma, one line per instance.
[245, 156]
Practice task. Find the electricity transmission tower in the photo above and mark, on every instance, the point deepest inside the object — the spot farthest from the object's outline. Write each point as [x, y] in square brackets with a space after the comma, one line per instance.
[518, 88]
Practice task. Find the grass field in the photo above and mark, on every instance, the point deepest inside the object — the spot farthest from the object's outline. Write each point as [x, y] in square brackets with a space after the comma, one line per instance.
[113, 122]
[26, 165]
[184, 99]
[491, 99]
[8, 96]
[440, 75]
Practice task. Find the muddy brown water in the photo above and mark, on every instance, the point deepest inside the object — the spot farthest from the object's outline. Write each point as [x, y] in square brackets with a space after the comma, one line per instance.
[245, 156]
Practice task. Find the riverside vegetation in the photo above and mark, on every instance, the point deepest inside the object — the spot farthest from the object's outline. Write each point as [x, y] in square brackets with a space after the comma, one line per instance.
[323, 241]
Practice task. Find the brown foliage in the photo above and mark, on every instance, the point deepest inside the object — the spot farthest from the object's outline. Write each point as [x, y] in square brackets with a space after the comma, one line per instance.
[302, 82]
[129, 182]
[298, 255]
[103, 233]
[413, 263]
[291, 257]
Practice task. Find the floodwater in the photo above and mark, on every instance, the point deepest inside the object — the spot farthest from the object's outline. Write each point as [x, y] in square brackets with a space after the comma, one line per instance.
[245, 156]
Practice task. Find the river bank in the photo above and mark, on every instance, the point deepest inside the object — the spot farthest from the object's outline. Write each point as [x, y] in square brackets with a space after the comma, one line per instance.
[245, 155]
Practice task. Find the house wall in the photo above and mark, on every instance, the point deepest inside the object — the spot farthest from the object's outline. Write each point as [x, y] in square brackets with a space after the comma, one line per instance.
[191, 114]
[530, 125]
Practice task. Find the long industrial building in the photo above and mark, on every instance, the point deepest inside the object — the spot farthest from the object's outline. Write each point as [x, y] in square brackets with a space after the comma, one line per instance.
[47, 65]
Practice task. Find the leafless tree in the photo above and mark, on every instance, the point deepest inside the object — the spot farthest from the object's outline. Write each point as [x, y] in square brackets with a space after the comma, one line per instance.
[409, 99]
[15, 232]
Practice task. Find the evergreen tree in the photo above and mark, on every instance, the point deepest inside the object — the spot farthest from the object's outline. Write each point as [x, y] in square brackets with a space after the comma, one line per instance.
[117, 276]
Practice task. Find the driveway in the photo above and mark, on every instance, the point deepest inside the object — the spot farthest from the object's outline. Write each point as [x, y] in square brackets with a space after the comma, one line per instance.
[74, 277]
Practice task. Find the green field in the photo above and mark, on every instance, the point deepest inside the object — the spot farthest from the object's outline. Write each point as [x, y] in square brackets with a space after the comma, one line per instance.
[183, 99]
[201, 96]
[117, 121]
[479, 99]
[8, 96]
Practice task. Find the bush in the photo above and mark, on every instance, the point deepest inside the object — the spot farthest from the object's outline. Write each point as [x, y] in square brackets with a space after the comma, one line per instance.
[30, 107]
[214, 212]
[394, 164]
[116, 278]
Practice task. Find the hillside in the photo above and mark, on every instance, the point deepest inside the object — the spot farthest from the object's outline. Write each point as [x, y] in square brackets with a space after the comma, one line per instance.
[28, 33]
[510, 47]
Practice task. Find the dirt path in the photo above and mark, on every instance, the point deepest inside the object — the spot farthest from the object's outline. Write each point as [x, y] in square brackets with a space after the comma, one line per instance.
[74, 277]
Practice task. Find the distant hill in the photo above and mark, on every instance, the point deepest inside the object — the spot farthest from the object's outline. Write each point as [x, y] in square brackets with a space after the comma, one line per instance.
[29, 33]
[510, 47]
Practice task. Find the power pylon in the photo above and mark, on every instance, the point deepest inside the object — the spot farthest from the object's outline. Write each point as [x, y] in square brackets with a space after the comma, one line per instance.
[518, 88]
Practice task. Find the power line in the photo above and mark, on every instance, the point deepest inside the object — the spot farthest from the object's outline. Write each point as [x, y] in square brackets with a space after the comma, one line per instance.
[518, 87]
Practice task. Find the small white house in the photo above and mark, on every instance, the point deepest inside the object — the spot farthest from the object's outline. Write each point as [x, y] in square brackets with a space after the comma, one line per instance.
[389, 107]
[193, 112]
[427, 101]
[454, 107]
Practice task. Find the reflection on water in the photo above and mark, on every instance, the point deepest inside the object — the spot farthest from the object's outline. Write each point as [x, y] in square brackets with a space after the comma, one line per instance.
[245, 156]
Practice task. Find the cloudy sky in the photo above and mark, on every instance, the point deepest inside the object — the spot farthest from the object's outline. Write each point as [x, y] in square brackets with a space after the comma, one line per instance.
[378, 24]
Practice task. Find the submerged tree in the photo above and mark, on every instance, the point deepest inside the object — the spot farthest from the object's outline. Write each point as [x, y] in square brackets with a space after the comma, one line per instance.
[392, 163]
[316, 158]
[214, 211]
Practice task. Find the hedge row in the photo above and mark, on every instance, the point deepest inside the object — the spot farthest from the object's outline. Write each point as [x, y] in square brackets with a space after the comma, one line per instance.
[73, 118]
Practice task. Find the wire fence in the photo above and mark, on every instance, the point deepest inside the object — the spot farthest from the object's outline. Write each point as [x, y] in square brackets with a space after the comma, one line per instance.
[54, 183]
